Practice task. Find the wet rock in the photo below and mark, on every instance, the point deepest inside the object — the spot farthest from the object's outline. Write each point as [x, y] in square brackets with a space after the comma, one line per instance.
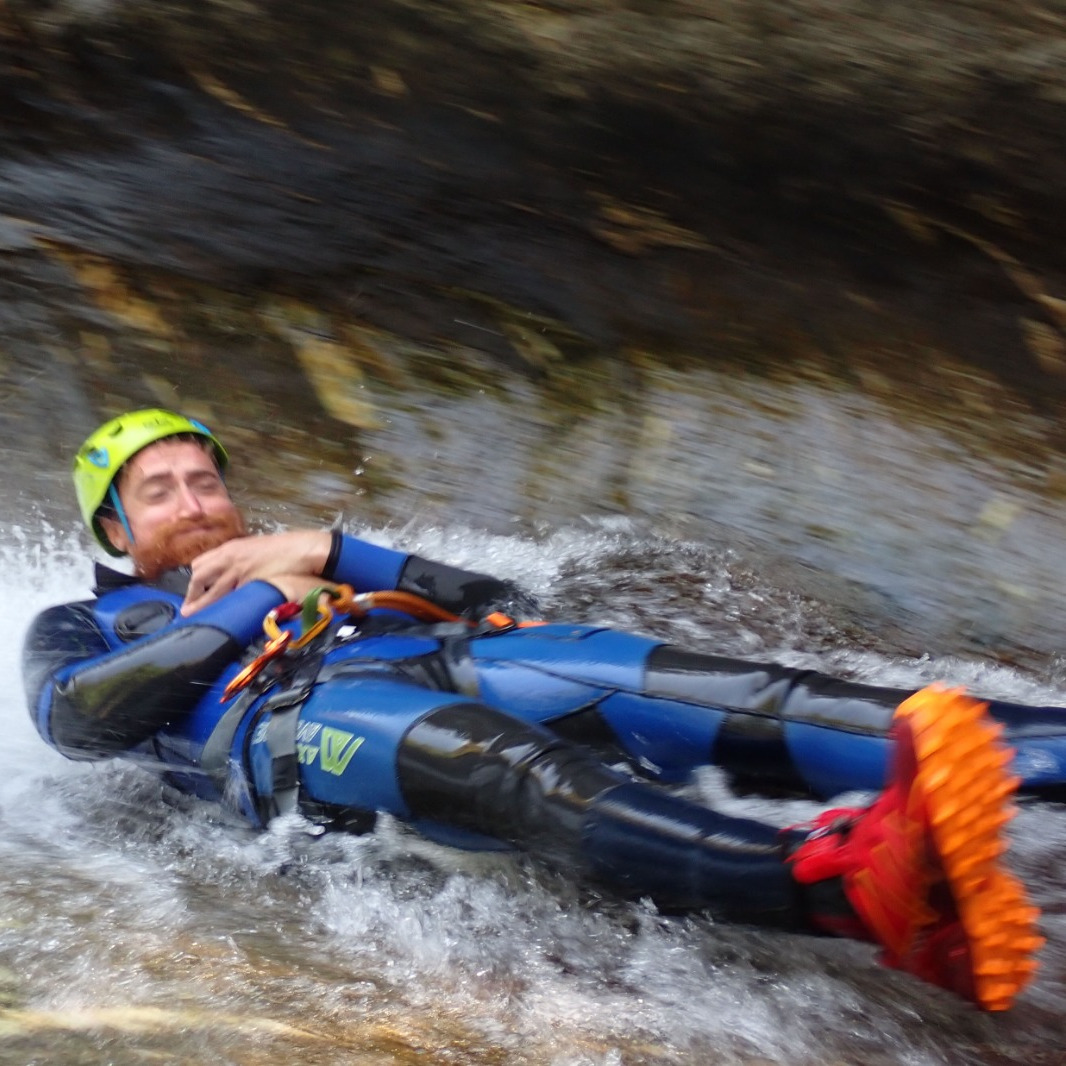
[741, 179]
[707, 261]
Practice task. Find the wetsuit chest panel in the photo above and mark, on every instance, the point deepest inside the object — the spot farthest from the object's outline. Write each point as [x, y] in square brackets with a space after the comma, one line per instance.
[133, 612]
[388, 646]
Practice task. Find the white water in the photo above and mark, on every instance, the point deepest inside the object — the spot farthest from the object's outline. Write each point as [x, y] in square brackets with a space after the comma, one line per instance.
[133, 929]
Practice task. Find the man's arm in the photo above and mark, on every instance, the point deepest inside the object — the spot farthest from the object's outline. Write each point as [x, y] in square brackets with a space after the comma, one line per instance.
[464, 592]
[366, 567]
[281, 558]
[89, 701]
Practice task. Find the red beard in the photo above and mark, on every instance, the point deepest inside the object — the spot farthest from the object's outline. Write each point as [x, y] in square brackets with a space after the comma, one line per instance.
[179, 542]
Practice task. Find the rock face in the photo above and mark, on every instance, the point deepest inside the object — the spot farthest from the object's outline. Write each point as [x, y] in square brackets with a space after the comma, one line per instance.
[688, 258]
[768, 179]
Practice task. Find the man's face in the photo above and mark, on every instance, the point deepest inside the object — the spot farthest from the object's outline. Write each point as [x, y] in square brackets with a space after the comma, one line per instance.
[176, 504]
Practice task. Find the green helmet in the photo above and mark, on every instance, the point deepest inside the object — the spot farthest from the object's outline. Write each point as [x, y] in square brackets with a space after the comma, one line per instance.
[100, 458]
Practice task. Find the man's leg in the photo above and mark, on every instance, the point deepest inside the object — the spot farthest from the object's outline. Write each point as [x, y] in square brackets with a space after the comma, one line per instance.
[805, 729]
[919, 872]
[921, 869]
[670, 710]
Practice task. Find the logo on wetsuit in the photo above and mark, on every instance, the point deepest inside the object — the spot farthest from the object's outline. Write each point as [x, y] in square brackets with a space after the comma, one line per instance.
[333, 748]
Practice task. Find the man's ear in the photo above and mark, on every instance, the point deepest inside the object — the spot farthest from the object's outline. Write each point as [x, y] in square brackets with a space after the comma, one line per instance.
[116, 533]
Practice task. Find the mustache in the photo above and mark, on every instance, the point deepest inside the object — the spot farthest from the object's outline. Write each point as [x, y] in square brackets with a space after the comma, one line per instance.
[180, 541]
[203, 524]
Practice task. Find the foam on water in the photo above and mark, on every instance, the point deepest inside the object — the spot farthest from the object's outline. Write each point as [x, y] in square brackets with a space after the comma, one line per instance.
[117, 896]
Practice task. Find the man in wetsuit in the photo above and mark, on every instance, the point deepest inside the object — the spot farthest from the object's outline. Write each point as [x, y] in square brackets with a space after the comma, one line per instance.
[481, 727]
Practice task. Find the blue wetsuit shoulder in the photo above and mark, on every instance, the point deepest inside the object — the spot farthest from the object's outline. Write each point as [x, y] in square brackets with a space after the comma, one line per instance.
[102, 676]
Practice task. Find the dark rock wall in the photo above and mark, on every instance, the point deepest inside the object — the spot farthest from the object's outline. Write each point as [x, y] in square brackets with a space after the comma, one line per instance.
[708, 175]
[540, 258]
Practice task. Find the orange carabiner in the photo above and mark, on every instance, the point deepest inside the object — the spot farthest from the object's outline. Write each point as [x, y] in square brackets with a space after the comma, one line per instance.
[288, 611]
[245, 677]
[357, 604]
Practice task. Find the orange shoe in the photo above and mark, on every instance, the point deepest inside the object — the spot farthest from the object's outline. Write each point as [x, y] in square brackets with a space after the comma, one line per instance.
[921, 868]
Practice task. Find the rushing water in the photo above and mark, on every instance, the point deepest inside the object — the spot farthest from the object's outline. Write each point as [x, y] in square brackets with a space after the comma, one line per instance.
[844, 505]
[135, 927]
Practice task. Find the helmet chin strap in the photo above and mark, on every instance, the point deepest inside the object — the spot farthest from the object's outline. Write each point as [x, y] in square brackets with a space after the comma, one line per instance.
[120, 511]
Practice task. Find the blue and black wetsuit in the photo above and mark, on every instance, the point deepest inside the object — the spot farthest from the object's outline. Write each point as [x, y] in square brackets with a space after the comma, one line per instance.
[475, 735]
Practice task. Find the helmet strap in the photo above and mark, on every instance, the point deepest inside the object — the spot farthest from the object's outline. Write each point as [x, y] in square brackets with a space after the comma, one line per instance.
[120, 511]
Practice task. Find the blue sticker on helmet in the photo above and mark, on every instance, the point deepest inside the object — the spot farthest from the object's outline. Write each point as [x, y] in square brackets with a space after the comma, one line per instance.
[99, 457]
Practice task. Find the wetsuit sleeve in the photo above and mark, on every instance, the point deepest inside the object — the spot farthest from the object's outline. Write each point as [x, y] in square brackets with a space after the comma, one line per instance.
[91, 701]
[370, 568]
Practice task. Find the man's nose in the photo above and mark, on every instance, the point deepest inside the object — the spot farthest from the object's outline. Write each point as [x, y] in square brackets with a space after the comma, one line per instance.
[189, 502]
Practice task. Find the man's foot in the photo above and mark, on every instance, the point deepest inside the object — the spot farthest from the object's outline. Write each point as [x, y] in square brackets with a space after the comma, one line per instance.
[922, 867]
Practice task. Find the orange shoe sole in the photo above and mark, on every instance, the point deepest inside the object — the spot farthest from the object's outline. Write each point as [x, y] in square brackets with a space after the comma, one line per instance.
[959, 802]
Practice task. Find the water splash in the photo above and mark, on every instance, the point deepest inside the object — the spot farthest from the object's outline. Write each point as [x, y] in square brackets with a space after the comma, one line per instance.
[136, 921]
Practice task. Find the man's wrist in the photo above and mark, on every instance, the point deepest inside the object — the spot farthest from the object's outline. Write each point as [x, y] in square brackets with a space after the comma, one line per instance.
[313, 553]
[336, 539]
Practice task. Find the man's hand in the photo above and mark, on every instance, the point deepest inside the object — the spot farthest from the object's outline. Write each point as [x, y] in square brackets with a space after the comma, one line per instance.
[291, 561]
[295, 587]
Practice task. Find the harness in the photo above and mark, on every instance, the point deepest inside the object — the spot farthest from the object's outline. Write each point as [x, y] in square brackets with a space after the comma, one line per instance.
[290, 662]
[270, 786]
